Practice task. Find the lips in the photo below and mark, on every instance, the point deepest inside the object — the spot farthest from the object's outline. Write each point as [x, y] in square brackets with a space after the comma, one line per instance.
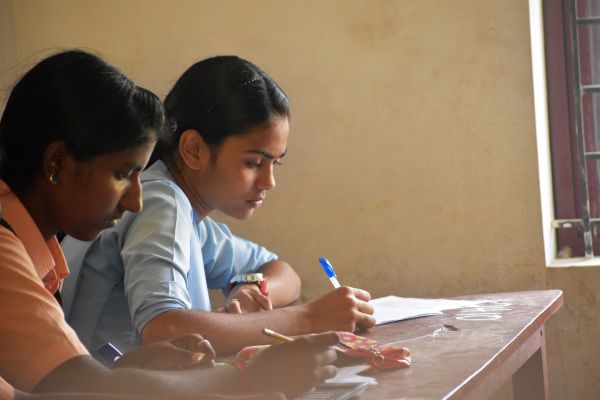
[256, 202]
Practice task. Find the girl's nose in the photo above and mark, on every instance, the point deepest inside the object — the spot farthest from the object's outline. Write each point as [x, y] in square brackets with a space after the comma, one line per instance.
[132, 199]
[267, 178]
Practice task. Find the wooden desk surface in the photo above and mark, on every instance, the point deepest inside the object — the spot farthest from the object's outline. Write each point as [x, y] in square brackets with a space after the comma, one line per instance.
[491, 342]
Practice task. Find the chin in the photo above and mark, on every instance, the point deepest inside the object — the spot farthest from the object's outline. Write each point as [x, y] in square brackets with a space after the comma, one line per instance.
[240, 214]
[86, 236]
[247, 214]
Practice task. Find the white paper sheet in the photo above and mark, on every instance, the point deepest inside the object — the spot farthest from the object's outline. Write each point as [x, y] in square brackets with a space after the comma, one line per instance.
[393, 308]
[350, 375]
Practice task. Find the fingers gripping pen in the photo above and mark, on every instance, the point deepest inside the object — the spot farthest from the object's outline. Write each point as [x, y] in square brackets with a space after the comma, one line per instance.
[328, 268]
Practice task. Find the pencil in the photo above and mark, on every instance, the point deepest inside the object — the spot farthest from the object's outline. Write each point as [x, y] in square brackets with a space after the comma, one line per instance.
[277, 336]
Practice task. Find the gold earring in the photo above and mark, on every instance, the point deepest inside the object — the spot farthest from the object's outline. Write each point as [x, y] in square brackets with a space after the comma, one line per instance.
[54, 178]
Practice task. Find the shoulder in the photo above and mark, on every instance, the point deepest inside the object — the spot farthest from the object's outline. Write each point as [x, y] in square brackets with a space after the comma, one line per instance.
[166, 215]
[165, 191]
[18, 271]
[211, 228]
[12, 250]
[30, 308]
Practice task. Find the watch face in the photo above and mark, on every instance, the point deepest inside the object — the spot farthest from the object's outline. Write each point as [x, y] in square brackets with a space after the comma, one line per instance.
[247, 278]
[256, 277]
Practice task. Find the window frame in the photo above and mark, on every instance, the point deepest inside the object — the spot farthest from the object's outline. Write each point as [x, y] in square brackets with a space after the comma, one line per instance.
[543, 137]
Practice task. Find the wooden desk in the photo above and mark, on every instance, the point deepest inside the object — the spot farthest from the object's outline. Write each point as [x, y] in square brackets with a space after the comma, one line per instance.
[500, 340]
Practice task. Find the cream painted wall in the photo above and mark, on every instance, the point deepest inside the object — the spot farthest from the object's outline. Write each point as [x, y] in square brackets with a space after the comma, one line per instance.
[412, 159]
[8, 55]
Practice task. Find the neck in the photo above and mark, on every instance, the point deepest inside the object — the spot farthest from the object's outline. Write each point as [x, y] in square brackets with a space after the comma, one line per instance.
[183, 177]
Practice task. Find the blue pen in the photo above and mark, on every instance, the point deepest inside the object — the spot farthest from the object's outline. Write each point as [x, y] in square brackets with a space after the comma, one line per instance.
[329, 271]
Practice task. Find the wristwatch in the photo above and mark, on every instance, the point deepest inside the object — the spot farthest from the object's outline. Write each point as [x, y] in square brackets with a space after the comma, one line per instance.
[256, 278]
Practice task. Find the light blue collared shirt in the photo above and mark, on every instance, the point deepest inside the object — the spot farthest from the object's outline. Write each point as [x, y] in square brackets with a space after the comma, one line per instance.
[161, 259]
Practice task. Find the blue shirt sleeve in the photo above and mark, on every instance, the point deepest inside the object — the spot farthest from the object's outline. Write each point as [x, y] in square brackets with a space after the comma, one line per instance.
[226, 255]
[156, 254]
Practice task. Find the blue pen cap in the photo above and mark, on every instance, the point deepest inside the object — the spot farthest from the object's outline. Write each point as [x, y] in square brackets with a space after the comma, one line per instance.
[327, 267]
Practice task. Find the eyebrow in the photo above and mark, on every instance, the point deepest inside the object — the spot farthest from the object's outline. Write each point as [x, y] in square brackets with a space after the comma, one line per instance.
[266, 154]
[131, 165]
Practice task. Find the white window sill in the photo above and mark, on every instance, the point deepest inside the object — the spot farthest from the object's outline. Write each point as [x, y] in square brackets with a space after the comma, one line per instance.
[574, 262]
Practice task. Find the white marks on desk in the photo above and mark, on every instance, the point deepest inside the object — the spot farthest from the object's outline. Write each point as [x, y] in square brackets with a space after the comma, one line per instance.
[444, 330]
[485, 311]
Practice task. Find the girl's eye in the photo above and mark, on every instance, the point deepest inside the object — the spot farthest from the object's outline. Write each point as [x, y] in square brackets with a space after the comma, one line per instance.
[252, 164]
[122, 175]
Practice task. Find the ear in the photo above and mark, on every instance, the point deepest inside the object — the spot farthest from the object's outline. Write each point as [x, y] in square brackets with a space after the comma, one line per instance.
[54, 160]
[193, 150]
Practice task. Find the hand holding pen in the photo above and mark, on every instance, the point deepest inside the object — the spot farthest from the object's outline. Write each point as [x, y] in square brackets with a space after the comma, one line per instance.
[296, 366]
[343, 309]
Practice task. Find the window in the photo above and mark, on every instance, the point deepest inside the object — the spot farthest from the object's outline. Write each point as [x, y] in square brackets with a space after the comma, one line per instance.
[566, 71]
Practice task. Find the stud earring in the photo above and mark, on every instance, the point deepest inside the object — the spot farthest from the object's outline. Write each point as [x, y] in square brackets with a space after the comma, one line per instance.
[54, 178]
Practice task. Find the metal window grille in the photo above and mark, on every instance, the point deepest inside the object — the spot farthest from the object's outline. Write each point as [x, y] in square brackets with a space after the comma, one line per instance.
[585, 35]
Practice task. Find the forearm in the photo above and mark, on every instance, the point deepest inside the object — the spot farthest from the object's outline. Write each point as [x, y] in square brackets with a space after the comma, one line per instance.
[228, 333]
[283, 283]
[343, 309]
[85, 375]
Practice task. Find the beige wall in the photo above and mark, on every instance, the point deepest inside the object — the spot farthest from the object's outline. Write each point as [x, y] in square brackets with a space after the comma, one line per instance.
[8, 54]
[412, 160]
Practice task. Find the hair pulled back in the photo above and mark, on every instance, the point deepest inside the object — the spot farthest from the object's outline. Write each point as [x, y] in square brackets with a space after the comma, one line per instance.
[220, 97]
[78, 98]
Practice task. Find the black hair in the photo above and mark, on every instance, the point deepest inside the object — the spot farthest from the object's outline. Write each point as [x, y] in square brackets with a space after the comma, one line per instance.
[220, 97]
[76, 97]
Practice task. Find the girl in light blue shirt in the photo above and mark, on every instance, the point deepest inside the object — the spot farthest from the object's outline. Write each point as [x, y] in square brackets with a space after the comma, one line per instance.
[147, 278]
